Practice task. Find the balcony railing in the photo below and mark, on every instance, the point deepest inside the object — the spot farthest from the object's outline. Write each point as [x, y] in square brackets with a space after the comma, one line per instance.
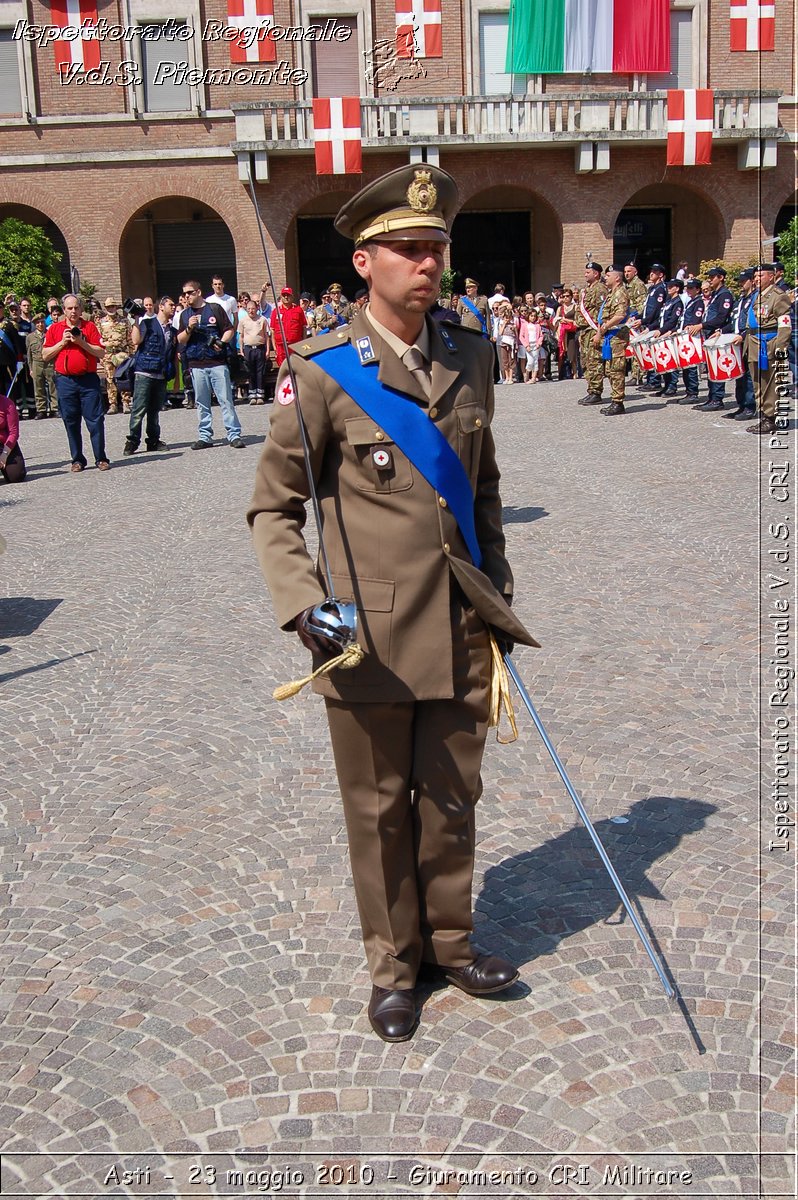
[523, 120]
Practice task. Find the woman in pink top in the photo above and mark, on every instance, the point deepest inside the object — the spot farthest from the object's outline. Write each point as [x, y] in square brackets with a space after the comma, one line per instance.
[12, 464]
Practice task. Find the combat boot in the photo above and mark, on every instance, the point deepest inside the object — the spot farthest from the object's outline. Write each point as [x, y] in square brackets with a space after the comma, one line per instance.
[590, 398]
[615, 409]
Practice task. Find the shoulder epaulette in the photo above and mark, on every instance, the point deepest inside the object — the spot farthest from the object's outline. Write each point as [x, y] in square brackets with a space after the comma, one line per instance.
[310, 347]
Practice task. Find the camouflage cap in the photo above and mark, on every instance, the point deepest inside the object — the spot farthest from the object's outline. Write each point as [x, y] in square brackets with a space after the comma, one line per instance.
[417, 201]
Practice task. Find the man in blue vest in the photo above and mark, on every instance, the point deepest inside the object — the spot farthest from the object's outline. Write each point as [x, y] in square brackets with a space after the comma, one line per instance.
[397, 410]
[154, 341]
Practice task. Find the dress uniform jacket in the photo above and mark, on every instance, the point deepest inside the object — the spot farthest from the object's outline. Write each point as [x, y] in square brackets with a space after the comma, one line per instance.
[656, 298]
[718, 312]
[392, 542]
[671, 315]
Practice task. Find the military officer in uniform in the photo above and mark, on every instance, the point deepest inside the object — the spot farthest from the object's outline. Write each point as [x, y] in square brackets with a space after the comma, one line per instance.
[610, 341]
[408, 724]
[669, 319]
[769, 331]
[115, 336]
[591, 298]
[637, 300]
[693, 315]
[473, 309]
[744, 385]
[717, 319]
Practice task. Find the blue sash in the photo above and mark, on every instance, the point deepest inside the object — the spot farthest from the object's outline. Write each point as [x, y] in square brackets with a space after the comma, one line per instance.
[764, 338]
[470, 305]
[6, 340]
[606, 348]
[413, 432]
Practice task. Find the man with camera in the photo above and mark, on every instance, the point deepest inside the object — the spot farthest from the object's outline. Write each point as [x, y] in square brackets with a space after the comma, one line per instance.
[154, 340]
[74, 346]
[205, 330]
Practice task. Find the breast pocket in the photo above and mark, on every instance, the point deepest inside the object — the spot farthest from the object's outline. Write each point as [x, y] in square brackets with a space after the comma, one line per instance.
[472, 420]
[381, 466]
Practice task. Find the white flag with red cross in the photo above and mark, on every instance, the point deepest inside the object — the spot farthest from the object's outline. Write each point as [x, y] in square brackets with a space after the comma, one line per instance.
[337, 136]
[691, 119]
[752, 25]
[78, 48]
[253, 19]
[418, 29]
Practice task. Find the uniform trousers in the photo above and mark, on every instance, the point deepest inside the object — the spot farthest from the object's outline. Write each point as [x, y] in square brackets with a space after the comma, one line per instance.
[764, 382]
[409, 775]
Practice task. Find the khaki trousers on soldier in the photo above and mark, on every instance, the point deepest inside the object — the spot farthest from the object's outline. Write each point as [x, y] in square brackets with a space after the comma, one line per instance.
[592, 364]
[113, 390]
[764, 381]
[615, 368]
[410, 777]
[43, 376]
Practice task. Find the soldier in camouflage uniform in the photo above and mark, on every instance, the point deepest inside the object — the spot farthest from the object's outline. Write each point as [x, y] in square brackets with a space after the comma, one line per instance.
[42, 373]
[636, 290]
[769, 332]
[611, 340]
[115, 335]
[591, 298]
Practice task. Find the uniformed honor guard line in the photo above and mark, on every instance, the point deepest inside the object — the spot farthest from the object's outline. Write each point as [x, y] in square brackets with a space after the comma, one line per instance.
[290, 689]
[588, 824]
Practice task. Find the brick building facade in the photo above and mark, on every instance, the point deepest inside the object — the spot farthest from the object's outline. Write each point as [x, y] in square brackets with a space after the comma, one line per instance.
[139, 173]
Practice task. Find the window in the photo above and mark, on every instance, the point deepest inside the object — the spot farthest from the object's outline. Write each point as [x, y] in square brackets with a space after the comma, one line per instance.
[682, 61]
[163, 91]
[493, 79]
[10, 90]
[335, 66]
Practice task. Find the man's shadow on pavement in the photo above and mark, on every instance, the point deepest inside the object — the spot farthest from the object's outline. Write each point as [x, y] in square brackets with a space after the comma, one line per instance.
[531, 902]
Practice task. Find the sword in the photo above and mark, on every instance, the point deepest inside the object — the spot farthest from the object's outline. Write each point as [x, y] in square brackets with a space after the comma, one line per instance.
[333, 618]
[588, 824]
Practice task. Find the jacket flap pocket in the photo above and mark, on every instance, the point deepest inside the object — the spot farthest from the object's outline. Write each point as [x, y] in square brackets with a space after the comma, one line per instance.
[471, 417]
[362, 431]
[372, 595]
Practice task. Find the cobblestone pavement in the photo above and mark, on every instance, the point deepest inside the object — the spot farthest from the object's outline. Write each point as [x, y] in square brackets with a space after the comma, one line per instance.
[182, 969]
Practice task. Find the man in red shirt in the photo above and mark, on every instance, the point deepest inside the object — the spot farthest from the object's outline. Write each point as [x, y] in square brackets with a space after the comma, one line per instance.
[294, 324]
[75, 346]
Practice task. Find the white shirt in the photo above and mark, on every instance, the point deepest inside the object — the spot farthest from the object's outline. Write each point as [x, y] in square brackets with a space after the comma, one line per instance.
[495, 298]
[228, 303]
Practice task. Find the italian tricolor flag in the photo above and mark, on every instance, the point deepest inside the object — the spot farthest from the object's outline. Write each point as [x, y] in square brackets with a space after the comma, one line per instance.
[554, 37]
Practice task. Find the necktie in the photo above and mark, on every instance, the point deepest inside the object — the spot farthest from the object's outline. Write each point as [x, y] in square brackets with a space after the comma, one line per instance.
[416, 364]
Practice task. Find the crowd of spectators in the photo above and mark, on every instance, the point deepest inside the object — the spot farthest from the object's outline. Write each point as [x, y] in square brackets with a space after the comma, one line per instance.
[535, 334]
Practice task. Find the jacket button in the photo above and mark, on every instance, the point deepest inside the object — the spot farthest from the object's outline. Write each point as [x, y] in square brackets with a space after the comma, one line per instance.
[478, 423]
[379, 436]
[442, 502]
[446, 547]
[433, 412]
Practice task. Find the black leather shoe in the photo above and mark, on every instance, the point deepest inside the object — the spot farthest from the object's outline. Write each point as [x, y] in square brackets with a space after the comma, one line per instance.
[711, 406]
[485, 975]
[616, 409]
[763, 425]
[690, 398]
[737, 414]
[745, 414]
[590, 398]
[392, 1013]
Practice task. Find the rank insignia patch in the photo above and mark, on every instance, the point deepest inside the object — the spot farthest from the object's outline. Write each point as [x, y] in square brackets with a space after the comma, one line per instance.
[381, 458]
[365, 350]
[446, 338]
